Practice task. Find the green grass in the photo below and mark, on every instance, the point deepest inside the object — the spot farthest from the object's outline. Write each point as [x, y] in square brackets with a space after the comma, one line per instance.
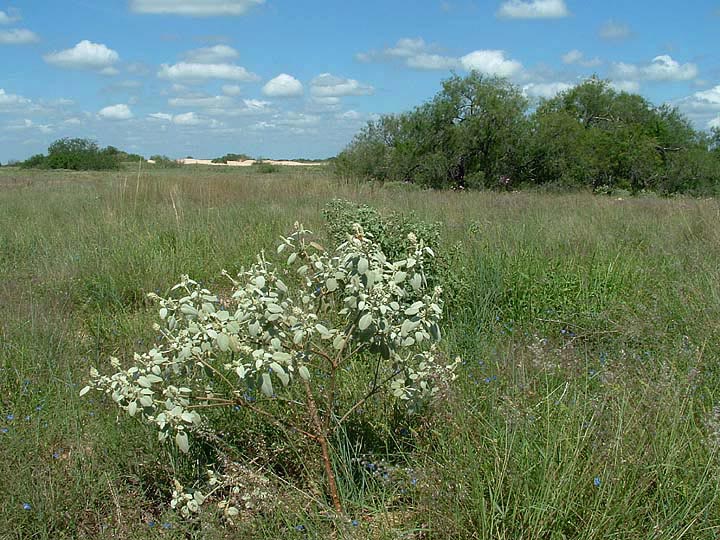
[589, 328]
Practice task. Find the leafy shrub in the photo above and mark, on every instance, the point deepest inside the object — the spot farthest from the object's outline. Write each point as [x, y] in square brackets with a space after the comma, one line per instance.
[390, 231]
[77, 155]
[266, 168]
[164, 162]
[280, 346]
[231, 157]
[38, 161]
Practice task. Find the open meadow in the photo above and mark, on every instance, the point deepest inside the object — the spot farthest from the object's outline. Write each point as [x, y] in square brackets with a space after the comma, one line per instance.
[587, 404]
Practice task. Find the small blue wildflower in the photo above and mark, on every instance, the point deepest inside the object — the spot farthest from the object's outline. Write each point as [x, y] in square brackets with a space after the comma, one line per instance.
[413, 481]
[151, 523]
[167, 525]
[10, 417]
[26, 506]
[355, 523]
[300, 528]
[597, 481]
[38, 408]
[4, 430]
[591, 372]
[28, 418]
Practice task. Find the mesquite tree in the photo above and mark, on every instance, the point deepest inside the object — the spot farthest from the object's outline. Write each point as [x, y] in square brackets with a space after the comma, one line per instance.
[283, 328]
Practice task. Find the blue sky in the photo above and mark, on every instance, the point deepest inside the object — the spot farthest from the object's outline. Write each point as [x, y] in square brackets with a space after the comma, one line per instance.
[285, 79]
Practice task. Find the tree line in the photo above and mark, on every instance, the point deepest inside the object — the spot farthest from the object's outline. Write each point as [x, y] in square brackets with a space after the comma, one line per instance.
[80, 155]
[480, 132]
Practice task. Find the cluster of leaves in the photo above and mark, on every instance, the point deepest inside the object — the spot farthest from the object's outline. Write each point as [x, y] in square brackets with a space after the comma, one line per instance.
[78, 155]
[231, 157]
[283, 328]
[480, 132]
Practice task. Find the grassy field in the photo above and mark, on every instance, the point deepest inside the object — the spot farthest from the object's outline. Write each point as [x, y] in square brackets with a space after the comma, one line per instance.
[589, 329]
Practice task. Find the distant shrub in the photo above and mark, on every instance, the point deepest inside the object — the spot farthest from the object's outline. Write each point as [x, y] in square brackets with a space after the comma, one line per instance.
[266, 168]
[164, 162]
[77, 155]
[38, 161]
[231, 157]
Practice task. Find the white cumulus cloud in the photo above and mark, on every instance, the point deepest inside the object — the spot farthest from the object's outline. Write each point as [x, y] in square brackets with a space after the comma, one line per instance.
[283, 85]
[703, 108]
[187, 119]
[10, 16]
[545, 90]
[491, 62]
[414, 52]
[533, 9]
[632, 87]
[194, 8]
[327, 85]
[18, 36]
[350, 115]
[116, 112]
[661, 68]
[193, 71]
[217, 54]
[161, 116]
[257, 105]
[231, 89]
[204, 102]
[11, 102]
[432, 62]
[85, 55]
[578, 57]
[406, 47]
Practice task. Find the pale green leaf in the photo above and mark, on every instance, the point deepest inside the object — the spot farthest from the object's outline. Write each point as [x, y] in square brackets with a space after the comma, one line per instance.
[280, 373]
[266, 387]
[365, 321]
[223, 342]
[304, 373]
[181, 439]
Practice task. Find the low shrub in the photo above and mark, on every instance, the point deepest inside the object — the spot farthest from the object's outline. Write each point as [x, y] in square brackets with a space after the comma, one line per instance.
[299, 345]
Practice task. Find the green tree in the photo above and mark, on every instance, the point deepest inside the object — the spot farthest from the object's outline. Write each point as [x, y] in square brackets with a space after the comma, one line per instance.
[467, 135]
